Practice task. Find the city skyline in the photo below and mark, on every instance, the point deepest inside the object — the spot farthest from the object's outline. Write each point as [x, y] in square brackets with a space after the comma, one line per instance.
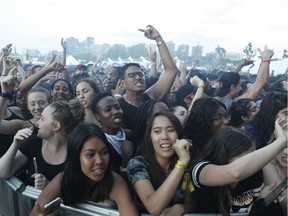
[232, 25]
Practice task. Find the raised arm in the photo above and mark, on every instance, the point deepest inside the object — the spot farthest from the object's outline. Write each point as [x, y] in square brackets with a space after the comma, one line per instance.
[200, 85]
[244, 63]
[153, 63]
[262, 76]
[245, 166]
[4, 52]
[8, 83]
[162, 87]
[28, 83]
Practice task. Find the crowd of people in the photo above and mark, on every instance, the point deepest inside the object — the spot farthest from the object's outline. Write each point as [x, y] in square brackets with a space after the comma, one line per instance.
[162, 140]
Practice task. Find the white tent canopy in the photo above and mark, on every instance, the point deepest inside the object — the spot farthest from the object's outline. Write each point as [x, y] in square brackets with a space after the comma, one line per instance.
[70, 60]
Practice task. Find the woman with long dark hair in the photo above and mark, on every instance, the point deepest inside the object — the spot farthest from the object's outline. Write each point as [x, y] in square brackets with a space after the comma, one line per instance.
[157, 173]
[274, 105]
[88, 174]
[229, 177]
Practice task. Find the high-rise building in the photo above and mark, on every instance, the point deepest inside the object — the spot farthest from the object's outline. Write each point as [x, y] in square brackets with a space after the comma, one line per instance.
[171, 47]
[183, 51]
[72, 46]
[197, 51]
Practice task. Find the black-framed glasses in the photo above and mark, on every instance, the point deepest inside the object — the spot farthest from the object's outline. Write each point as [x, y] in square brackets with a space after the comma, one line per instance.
[220, 118]
[134, 74]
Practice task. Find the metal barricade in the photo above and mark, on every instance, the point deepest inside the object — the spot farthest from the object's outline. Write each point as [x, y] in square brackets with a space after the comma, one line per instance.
[18, 200]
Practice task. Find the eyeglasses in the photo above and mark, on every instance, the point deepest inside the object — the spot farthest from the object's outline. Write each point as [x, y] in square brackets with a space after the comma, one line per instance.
[134, 74]
[222, 118]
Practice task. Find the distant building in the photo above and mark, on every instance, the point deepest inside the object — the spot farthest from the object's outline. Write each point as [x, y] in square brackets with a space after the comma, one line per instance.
[171, 47]
[183, 51]
[197, 52]
[72, 46]
[234, 55]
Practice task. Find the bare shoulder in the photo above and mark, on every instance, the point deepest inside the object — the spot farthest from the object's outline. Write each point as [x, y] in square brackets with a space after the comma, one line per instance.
[118, 180]
[119, 187]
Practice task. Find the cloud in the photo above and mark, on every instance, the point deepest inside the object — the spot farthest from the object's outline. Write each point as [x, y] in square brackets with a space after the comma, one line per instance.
[231, 24]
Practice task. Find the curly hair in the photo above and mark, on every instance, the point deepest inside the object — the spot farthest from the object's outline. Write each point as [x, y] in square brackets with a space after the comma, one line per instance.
[198, 126]
[239, 109]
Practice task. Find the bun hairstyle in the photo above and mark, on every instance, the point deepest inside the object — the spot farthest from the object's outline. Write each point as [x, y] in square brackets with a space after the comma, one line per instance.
[69, 114]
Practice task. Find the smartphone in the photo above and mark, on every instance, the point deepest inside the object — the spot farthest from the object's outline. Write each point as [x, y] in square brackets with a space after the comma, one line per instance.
[276, 192]
[52, 206]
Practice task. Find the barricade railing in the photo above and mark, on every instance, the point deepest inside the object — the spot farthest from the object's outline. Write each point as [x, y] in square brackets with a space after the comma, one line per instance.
[16, 199]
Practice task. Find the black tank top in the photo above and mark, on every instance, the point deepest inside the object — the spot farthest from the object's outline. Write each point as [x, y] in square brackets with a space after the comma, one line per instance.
[6, 140]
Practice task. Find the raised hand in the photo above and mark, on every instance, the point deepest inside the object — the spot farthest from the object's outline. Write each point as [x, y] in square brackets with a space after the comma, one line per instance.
[120, 87]
[196, 81]
[8, 83]
[266, 54]
[182, 150]
[150, 32]
[6, 51]
[21, 136]
[63, 43]
[152, 55]
[279, 132]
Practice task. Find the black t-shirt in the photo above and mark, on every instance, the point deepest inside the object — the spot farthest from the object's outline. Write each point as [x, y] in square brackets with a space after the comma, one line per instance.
[129, 111]
[33, 148]
[246, 192]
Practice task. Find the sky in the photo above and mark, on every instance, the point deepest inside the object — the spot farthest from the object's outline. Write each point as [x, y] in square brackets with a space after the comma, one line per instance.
[40, 24]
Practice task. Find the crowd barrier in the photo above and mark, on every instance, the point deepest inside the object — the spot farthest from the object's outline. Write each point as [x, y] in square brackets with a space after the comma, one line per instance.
[16, 199]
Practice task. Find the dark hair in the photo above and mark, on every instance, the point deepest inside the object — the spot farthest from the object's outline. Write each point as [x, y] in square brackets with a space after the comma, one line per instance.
[70, 89]
[117, 68]
[183, 92]
[239, 109]
[69, 114]
[74, 182]
[225, 82]
[198, 125]
[156, 173]
[127, 65]
[97, 98]
[229, 143]
[196, 72]
[264, 120]
[144, 113]
[244, 86]
[277, 86]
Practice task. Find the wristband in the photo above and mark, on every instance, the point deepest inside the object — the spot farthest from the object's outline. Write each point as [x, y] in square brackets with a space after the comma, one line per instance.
[266, 61]
[180, 165]
[123, 169]
[117, 96]
[9, 96]
[159, 43]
